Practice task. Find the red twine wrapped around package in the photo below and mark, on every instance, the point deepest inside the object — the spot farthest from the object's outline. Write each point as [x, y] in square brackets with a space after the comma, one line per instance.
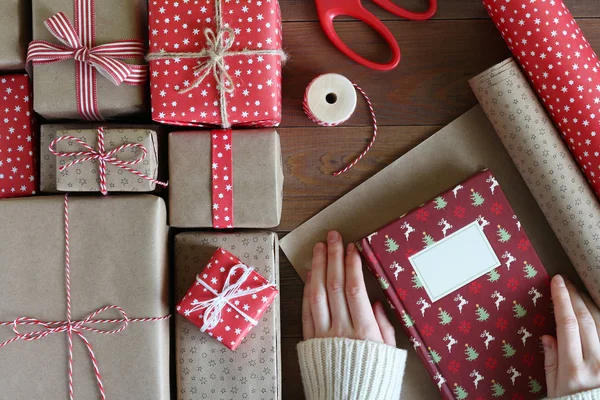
[103, 157]
[79, 44]
[71, 327]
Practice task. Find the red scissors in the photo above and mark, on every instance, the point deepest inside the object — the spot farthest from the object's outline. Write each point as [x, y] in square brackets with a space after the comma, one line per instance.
[329, 9]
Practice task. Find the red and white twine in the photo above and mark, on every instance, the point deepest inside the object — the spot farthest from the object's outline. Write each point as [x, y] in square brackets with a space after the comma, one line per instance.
[103, 157]
[316, 120]
[74, 327]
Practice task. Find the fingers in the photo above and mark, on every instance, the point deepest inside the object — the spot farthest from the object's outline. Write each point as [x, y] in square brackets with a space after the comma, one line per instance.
[593, 308]
[356, 294]
[340, 316]
[567, 327]
[587, 326]
[318, 294]
[385, 327]
[550, 363]
[308, 326]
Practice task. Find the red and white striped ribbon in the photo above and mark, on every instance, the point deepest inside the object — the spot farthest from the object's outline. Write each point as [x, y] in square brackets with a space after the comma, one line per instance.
[313, 118]
[79, 44]
[103, 157]
[74, 327]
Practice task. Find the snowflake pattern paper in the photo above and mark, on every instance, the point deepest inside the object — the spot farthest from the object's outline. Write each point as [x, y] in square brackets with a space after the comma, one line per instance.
[179, 26]
[562, 67]
[233, 327]
[17, 162]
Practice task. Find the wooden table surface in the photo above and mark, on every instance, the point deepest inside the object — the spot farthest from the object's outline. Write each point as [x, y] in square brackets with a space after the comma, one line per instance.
[427, 91]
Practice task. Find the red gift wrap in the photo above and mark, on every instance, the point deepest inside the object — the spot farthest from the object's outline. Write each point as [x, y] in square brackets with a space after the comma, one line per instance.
[215, 62]
[227, 299]
[17, 165]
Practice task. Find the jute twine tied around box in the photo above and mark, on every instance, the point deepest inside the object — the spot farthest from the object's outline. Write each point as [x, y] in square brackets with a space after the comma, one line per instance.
[218, 46]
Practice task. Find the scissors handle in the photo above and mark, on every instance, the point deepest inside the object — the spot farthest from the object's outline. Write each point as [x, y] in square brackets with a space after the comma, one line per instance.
[404, 13]
[360, 13]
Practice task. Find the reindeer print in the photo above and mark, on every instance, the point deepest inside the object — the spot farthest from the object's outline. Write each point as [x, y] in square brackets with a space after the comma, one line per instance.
[518, 223]
[440, 380]
[456, 189]
[446, 226]
[525, 335]
[482, 222]
[499, 298]
[451, 342]
[488, 338]
[536, 295]
[514, 374]
[461, 302]
[408, 231]
[477, 376]
[415, 343]
[424, 305]
[494, 183]
[509, 259]
[397, 270]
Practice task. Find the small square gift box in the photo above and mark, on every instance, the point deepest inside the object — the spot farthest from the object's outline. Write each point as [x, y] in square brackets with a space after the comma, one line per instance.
[228, 299]
[15, 34]
[225, 179]
[18, 175]
[87, 58]
[217, 63]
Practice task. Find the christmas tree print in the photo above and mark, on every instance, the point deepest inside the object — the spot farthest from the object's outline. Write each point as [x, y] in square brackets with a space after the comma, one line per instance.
[383, 283]
[471, 353]
[435, 356]
[428, 240]
[391, 244]
[509, 351]
[530, 272]
[497, 389]
[444, 317]
[534, 386]
[408, 321]
[503, 235]
[519, 310]
[476, 198]
[493, 275]
[482, 314]
[417, 284]
[460, 392]
[440, 203]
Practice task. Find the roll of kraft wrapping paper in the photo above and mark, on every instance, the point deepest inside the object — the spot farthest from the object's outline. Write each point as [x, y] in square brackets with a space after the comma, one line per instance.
[563, 69]
[547, 167]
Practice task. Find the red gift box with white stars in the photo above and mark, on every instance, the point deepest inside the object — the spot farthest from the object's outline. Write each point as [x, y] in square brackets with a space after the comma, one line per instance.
[184, 29]
[239, 312]
[17, 166]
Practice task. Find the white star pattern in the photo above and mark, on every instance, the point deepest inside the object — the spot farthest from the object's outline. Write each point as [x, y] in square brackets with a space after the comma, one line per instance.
[16, 145]
[222, 160]
[256, 26]
[561, 66]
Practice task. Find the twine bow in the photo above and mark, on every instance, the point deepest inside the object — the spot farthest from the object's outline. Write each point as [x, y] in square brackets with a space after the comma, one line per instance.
[103, 157]
[78, 44]
[218, 46]
[71, 327]
[213, 307]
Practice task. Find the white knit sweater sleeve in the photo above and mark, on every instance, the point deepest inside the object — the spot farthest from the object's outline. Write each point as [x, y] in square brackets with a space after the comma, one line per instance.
[345, 369]
[593, 394]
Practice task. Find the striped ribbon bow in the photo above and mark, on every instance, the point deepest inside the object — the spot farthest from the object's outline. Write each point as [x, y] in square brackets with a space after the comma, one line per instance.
[79, 45]
[103, 157]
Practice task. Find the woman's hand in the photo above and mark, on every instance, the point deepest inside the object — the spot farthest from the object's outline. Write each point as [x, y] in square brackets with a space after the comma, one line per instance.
[336, 303]
[573, 358]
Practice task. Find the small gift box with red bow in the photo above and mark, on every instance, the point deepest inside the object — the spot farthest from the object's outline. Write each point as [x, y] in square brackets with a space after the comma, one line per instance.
[218, 63]
[17, 155]
[228, 299]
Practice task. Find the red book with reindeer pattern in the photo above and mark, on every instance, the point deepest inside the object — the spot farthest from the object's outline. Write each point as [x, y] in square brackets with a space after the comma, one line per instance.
[470, 290]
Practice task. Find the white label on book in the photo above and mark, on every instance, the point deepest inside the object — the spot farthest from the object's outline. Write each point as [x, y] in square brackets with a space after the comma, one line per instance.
[454, 261]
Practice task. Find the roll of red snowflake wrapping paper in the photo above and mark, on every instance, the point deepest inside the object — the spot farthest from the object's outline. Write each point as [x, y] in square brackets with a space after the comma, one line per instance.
[563, 69]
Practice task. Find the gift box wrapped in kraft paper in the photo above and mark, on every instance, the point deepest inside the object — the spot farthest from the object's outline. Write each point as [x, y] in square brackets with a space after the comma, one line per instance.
[134, 167]
[225, 179]
[205, 367]
[16, 34]
[95, 265]
[87, 58]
